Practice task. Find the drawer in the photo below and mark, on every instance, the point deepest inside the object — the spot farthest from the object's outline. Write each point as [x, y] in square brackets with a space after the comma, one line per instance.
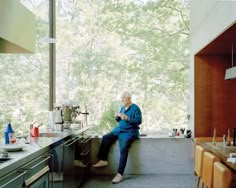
[36, 165]
[13, 180]
[85, 144]
[86, 157]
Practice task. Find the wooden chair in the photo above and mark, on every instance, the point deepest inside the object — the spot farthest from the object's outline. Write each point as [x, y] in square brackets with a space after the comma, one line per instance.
[222, 176]
[198, 163]
[207, 169]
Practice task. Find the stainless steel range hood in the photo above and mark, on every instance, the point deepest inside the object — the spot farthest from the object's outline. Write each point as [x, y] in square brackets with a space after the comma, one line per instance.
[17, 28]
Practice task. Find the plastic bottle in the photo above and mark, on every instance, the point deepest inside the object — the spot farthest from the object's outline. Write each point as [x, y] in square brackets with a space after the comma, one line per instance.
[7, 131]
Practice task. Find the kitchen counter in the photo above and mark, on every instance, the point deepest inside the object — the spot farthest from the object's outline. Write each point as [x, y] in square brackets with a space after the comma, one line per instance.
[37, 147]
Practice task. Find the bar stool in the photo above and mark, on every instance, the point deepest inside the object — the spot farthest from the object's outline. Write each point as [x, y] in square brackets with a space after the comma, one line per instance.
[222, 176]
[199, 150]
[207, 169]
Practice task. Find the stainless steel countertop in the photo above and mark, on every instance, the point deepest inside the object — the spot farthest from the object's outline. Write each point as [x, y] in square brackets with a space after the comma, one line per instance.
[37, 147]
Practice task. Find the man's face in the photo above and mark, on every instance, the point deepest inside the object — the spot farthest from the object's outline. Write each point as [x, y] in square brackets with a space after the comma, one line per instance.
[125, 100]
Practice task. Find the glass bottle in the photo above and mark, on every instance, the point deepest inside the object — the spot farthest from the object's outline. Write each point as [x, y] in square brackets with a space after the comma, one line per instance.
[8, 131]
[228, 138]
[214, 137]
[234, 142]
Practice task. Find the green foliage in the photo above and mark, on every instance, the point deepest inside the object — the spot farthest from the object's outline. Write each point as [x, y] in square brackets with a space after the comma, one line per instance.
[103, 48]
[108, 121]
[142, 46]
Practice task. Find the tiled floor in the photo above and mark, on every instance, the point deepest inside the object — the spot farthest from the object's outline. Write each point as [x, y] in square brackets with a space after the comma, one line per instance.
[143, 181]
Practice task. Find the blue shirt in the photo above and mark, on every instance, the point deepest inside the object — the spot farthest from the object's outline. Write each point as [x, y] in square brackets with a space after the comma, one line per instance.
[129, 128]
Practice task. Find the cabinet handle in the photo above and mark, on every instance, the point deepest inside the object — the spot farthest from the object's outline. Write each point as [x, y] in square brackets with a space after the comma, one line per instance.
[70, 143]
[87, 164]
[39, 163]
[31, 168]
[22, 174]
[35, 177]
[85, 152]
[86, 140]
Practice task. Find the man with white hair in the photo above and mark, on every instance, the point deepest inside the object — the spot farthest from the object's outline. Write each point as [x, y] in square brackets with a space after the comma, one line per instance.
[129, 118]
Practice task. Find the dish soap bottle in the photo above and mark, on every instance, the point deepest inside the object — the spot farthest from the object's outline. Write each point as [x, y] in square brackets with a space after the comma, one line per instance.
[7, 131]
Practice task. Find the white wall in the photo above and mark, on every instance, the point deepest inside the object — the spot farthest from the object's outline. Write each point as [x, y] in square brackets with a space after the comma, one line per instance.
[208, 19]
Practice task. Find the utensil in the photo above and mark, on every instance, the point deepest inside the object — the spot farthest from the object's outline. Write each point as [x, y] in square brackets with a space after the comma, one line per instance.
[40, 125]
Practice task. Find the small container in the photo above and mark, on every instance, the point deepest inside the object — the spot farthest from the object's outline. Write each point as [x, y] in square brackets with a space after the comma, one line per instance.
[34, 132]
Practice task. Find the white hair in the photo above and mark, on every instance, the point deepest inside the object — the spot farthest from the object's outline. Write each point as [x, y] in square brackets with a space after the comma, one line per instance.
[126, 94]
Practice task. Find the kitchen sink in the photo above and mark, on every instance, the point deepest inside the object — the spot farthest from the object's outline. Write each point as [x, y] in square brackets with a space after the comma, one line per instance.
[50, 135]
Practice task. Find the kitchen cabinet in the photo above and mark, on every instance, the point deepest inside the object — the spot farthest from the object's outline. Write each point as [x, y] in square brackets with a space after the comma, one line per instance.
[48, 162]
[18, 29]
[34, 174]
[69, 180]
[63, 172]
[56, 168]
[13, 180]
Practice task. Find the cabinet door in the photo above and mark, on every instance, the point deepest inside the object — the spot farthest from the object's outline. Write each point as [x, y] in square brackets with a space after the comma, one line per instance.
[56, 166]
[37, 175]
[68, 163]
[79, 167]
[39, 180]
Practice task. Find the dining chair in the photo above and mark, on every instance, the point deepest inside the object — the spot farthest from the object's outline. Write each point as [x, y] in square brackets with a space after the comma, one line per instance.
[198, 163]
[222, 176]
[207, 169]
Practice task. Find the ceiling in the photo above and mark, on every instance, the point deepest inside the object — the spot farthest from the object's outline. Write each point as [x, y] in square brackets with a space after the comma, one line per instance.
[222, 45]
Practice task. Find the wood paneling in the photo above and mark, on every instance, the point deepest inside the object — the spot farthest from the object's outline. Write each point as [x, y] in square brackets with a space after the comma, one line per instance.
[215, 97]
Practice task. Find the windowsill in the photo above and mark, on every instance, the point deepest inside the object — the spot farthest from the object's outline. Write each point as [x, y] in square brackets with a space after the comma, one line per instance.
[149, 136]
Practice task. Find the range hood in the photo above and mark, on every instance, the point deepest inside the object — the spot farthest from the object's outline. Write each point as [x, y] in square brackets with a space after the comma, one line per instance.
[17, 28]
[230, 74]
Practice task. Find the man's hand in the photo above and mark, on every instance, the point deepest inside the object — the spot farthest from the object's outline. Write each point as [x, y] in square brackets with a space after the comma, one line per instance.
[117, 114]
[123, 117]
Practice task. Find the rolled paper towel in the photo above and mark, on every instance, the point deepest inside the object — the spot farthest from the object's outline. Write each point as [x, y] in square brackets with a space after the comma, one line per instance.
[51, 119]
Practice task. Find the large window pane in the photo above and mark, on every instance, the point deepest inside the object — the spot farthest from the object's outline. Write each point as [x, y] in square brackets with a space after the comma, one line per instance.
[107, 46]
[24, 78]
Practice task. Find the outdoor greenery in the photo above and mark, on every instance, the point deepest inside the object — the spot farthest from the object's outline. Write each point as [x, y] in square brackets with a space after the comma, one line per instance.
[103, 48]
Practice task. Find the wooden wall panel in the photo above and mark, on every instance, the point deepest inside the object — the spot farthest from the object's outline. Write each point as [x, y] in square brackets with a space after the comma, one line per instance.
[215, 97]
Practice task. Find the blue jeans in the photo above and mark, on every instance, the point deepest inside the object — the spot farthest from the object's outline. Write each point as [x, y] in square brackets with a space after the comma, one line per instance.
[124, 143]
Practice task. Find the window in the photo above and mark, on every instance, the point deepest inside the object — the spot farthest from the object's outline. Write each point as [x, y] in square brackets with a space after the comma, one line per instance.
[107, 46]
[24, 78]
